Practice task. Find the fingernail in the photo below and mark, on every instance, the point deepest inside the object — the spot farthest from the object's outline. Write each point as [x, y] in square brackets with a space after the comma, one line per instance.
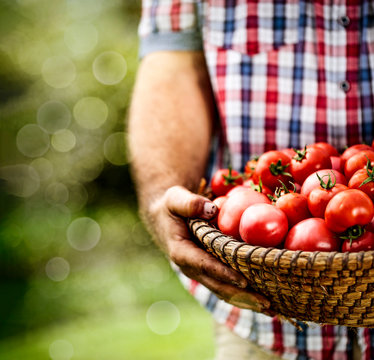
[265, 304]
[241, 283]
[210, 209]
[250, 306]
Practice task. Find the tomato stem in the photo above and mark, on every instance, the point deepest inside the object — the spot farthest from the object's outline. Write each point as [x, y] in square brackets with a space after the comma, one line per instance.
[300, 154]
[278, 169]
[353, 233]
[260, 185]
[257, 187]
[329, 184]
[230, 179]
[369, 172]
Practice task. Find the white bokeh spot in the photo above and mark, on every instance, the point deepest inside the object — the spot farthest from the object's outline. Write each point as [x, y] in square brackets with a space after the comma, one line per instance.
[163, 317]
[57, 269]
[53, 116]
[63, 140]
[59, 72]
[90, 112]
[56, 193]
[61, 350]
[109, 68]
[83, 234]
[81, 38]
[43, 167]
[32, 141]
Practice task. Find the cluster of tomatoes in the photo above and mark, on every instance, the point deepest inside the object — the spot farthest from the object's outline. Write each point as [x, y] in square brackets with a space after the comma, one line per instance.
[312, 199]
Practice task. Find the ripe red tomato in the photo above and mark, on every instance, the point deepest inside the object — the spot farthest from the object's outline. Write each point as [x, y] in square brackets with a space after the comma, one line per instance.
[312, 235]
[224, 180]
[358, 161]
[289, 152]
[218, 202]
[336, 163]
[363, 243]
[312, 181]
[320, 197]
[327, 148]
[272, 166]
[297, 188]
[363, 180]
[250, 167]
[307, 161]
[295, 206]
[370, 226]
[236, 189]
[352, 150]
[257, 186]
[347, 209]
[263, 225]
[233, 208]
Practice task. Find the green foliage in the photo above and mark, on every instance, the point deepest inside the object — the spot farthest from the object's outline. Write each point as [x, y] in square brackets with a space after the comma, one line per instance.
[115, 337]
[75, 261]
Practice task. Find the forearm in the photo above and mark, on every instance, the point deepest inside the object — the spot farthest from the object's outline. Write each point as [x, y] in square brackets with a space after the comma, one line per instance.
[170, 130]
[170, 123]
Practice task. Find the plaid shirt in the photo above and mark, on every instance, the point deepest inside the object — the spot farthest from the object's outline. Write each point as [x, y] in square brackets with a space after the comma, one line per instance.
[285, 73]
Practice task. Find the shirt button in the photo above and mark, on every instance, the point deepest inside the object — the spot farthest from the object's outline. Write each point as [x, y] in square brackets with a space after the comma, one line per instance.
[345, 86]
[344, 20]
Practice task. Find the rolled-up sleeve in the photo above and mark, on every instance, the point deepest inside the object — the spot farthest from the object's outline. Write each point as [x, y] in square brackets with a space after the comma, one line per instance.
[169, 25]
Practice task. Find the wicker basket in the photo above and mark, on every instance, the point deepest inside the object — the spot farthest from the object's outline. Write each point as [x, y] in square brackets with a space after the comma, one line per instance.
[323, 287]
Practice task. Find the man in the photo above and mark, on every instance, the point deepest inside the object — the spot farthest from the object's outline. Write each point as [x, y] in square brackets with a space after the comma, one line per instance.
[279, 74]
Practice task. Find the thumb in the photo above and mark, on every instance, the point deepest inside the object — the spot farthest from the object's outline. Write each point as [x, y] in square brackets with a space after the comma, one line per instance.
[183, 202]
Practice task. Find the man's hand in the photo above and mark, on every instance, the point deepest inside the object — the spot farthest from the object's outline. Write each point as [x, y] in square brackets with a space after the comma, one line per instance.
[167, 221]
[170, 131]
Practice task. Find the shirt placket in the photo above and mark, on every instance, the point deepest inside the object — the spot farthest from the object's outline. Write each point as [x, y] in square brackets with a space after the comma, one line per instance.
[341, 73]
[350, 22]
[331, 104]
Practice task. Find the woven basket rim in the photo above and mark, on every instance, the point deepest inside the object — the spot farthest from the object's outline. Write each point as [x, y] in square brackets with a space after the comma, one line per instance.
[225, 247]
[324, 287]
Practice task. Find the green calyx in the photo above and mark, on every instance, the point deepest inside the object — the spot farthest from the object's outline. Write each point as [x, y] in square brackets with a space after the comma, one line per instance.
[369, 172]
[279, 169]
[352, 233]
[257, 187]
[329, 184]
[300, 154]
[230, 179]
[281, 190]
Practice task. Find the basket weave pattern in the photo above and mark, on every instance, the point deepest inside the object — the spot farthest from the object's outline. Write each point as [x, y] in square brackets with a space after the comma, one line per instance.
[323, 287]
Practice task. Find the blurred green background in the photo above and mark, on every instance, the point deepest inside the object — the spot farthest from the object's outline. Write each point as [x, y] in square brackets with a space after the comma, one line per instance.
[79, 276]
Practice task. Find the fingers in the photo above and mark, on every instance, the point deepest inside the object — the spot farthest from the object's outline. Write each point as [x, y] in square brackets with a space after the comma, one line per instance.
[184, 203]
[227, 284]
[196, 262]
[241, 298]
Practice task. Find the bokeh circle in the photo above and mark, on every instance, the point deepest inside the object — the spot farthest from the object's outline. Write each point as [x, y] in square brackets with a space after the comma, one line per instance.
[32, 141]
[109, 68]
[83, 234]
[59, 72]
[163, 317]
[90, 112]
[53, 116]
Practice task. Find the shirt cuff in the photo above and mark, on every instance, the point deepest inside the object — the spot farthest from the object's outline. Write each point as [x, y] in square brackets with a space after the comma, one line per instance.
[177, 41]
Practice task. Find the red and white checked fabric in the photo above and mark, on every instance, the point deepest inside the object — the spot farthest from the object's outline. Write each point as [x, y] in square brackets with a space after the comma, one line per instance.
[285, 73]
